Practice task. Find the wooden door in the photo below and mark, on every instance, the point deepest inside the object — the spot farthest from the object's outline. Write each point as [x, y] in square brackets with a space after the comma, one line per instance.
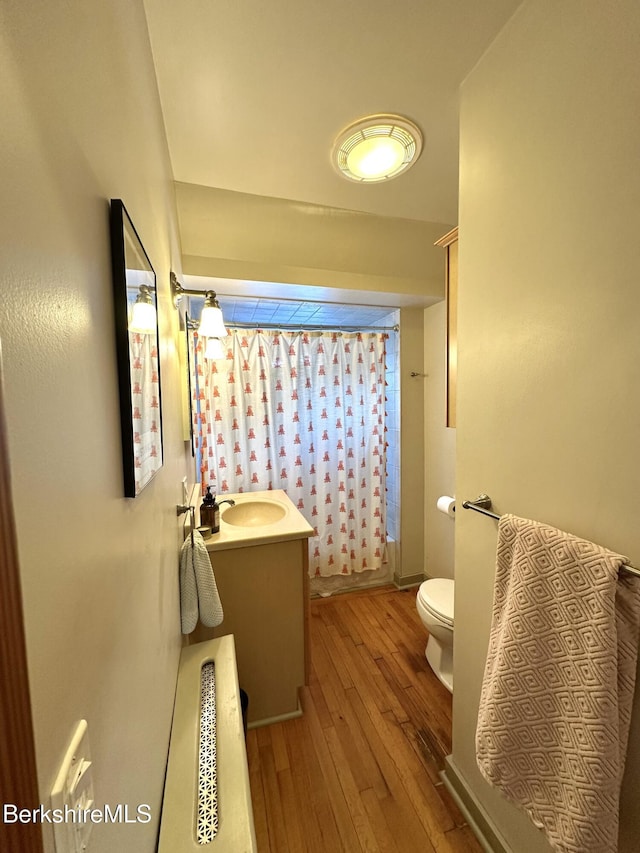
[18, 778]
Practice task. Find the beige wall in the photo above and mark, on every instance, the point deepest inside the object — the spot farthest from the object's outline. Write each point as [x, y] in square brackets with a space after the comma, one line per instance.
[440, 448]
[80, 125]
[411, 446]
[237, 235]
[549, 314]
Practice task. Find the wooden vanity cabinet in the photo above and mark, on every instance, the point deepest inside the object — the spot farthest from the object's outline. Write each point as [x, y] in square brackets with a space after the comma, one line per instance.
[264, 591]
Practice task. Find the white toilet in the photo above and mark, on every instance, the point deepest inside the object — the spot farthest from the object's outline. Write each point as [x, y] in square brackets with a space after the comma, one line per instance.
[435, 608]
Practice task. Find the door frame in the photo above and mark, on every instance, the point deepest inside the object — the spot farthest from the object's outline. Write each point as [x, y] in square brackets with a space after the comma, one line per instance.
[18, 774]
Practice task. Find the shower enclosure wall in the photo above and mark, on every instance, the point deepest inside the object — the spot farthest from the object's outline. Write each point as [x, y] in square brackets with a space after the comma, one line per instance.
[393, 440]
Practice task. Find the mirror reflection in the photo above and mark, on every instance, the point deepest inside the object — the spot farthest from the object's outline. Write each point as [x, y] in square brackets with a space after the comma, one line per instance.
[138, 354]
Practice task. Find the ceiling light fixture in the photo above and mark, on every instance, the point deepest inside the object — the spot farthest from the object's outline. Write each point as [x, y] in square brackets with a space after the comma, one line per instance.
[377, 148]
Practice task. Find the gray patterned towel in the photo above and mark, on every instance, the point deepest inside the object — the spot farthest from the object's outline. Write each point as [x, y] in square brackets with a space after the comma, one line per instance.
[558, 685]
[198, 589]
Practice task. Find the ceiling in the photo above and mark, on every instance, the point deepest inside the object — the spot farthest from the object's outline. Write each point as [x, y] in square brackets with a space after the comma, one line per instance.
[262, 303]
[263, 312]
[254, 94]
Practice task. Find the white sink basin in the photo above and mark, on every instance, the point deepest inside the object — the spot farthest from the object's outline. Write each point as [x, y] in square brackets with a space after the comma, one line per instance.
[253, 513]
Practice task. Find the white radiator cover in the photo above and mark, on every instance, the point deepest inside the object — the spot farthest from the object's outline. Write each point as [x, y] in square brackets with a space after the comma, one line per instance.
[234, 815]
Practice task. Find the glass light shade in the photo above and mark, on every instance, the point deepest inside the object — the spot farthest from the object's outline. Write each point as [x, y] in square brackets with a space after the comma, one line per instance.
[143, 318]
[211, 323]
[374, 158]
[214, 349]
[377, 148]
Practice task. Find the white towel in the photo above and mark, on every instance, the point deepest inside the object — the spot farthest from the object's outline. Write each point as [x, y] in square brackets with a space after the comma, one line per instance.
[558, 686]
[198, 590]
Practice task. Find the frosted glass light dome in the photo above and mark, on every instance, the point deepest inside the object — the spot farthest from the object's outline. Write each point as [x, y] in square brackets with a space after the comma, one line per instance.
[143, 314]
[377, 148]
[211, 322]
[214, 349]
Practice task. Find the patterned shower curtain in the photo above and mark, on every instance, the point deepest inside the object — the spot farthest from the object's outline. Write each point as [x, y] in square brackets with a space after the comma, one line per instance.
[145, 402]
[303, 412]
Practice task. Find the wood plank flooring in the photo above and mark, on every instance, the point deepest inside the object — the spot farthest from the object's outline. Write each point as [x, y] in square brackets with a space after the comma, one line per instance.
[359, 771]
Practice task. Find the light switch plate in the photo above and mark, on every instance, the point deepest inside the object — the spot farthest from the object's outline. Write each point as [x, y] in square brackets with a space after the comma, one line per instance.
[73, 790]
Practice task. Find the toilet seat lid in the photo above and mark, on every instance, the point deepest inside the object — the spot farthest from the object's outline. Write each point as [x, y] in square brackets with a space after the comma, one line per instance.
[437, 596]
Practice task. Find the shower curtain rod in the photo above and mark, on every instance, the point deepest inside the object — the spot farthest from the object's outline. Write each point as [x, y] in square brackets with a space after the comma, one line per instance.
[313, 328]
[297, 327]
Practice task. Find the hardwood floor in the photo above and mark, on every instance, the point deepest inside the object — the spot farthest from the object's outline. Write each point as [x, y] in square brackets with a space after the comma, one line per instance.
[359, 771]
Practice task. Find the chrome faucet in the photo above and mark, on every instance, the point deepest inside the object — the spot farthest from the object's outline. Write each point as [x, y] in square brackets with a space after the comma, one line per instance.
[227, 501]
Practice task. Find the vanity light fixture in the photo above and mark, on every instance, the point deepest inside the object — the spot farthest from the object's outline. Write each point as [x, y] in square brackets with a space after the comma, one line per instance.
[211, 320]
[377, 148]
[214, 349]
[143, 314]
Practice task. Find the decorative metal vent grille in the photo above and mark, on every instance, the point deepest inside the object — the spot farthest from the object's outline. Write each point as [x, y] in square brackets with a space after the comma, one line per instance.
[399, 128]
[405, 139]
[207, 826]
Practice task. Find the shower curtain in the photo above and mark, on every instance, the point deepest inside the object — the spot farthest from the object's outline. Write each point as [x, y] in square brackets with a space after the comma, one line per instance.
[303, 412]
[145, 403]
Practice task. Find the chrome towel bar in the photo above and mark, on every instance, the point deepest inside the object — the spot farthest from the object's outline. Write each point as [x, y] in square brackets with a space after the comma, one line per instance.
[482, 504]
[180, 510]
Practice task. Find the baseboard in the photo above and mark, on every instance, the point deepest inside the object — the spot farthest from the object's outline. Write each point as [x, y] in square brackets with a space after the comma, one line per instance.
[291, 715]
[475, 815]
[405, 581]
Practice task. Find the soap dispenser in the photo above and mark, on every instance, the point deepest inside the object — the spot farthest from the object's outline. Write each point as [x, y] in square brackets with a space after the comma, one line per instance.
[210, 512]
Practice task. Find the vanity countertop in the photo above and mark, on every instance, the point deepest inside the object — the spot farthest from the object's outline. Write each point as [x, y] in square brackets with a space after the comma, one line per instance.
[292, 524]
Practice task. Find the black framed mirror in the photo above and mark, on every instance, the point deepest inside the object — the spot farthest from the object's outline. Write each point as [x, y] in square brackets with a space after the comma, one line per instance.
[138, 353]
